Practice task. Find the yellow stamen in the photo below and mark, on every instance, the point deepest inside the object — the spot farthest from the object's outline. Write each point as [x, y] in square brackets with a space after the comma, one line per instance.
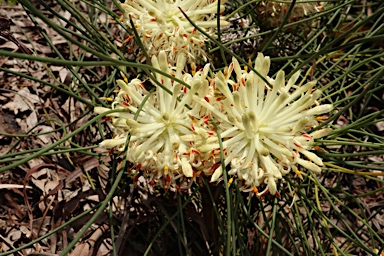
[124, 77]
[119, 165]
[298, 173]
[230, 182]
[319, 118]
[106, 98]
[193, 68]
[128, 39]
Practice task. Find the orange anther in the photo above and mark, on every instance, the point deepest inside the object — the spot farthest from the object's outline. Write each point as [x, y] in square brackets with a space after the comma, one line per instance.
[298, 173]
[128, 39]
[319, 118]
[230, 182]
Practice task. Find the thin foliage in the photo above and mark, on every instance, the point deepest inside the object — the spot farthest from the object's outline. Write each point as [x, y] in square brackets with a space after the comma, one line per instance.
[339, 211]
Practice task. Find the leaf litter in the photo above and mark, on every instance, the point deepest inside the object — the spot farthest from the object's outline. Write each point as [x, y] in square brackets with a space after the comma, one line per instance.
[46, 192]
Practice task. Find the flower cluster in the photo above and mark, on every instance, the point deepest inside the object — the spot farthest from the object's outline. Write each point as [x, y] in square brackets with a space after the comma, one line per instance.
[263, 123]
[162, 25]
[159, 144]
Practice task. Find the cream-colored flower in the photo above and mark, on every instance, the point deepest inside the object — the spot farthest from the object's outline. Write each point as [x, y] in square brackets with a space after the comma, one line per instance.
[264, 129]
[162, 26]
[263, 123]
[159, 144]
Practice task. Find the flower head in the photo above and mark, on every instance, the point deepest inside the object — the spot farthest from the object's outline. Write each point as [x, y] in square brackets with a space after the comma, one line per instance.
[264, 129]
[159, 144]
[162, 26]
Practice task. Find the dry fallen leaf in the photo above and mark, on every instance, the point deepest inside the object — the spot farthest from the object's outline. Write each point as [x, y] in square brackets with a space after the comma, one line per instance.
[86, 247]
[23, 100]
